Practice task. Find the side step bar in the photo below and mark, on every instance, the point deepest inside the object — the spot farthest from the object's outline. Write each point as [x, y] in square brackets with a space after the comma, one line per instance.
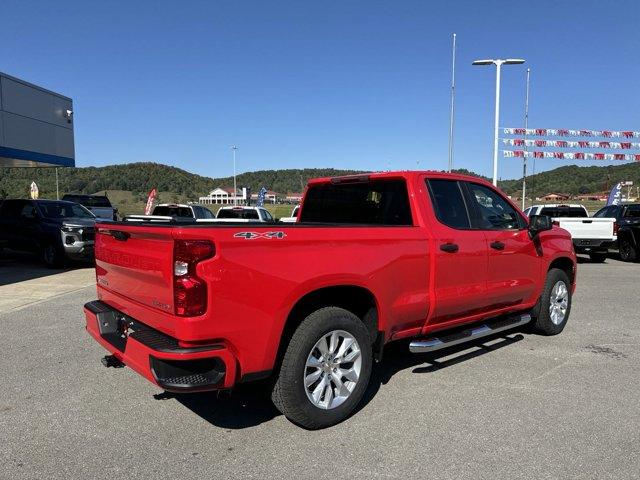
[469, 334]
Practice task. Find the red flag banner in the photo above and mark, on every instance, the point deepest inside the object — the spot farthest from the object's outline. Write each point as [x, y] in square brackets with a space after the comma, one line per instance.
[150, 200]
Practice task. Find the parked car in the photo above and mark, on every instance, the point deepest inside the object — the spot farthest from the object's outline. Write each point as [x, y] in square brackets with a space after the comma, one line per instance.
[244, 214]
[439, 258]
[54, 229]
[189, 210]
[593, 236]
[99, 205]
[627, 222]
[294, 215]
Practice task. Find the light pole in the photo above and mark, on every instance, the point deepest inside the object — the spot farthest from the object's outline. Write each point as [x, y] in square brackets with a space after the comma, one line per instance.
[235, 186]
[453, 96]
[526, 125]
[498, 63]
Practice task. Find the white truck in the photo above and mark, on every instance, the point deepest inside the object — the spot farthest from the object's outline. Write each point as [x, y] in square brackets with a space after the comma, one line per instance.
[294, 216]
[592, 236]
[245, 214]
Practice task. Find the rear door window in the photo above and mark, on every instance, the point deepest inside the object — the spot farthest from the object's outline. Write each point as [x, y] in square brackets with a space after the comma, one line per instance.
[448, 203]
[266, 216]
[368, 202]
[12, 208]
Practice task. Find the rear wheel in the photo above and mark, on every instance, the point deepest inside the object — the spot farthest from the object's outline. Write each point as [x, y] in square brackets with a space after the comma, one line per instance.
[598, 257]
[554, 305]
[325, 369]
[628, 252]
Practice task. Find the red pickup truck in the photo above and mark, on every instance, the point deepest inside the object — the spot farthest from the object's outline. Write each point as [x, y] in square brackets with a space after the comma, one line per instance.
[438, 258]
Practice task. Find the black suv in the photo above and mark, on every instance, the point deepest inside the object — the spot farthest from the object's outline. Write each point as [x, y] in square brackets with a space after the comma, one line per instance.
[54, 229]
[627, 228]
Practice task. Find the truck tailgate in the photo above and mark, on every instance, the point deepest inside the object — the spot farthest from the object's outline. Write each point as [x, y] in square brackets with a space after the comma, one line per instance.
[136, 263]
[591, 228]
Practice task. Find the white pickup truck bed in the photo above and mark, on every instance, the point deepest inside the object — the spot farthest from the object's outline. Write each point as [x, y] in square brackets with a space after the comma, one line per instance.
[590, 235]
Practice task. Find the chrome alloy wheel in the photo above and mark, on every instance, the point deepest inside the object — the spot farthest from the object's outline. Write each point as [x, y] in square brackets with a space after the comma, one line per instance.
[559, 301]
[332, 369]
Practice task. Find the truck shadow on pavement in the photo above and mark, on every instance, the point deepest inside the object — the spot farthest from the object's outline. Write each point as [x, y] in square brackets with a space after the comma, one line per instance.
[16, 267]
[249, 405]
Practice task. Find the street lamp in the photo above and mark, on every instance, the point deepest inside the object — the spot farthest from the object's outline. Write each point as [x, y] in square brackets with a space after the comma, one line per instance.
[498, 63]
[235, 187]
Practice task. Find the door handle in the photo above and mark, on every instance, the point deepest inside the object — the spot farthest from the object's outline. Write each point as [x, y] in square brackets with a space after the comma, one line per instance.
[497, 245]
[449, 247]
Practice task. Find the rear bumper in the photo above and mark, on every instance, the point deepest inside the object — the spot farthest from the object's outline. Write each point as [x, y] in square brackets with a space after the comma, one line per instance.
[158, 357]
[589, 245]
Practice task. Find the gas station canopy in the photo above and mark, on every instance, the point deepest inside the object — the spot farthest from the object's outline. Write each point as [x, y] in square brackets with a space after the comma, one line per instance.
[36, 126]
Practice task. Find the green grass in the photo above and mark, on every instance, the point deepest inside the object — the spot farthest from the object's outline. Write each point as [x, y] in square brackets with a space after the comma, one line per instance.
[130, 203]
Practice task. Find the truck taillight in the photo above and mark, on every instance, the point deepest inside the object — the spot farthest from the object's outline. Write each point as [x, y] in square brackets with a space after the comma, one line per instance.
[615, 228]
[189, 290]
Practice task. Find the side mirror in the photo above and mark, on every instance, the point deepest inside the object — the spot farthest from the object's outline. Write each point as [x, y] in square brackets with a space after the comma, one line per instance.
[539, 223]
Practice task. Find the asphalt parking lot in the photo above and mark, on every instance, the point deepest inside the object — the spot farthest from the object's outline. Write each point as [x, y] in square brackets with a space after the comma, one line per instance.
[519, 406]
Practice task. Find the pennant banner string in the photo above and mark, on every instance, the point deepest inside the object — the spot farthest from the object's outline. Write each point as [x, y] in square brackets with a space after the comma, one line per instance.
[561, 132]
[571, 155]
[520, 142]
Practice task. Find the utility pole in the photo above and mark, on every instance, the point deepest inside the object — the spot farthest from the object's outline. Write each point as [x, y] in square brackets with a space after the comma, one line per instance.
[235, 185]
[526, 125]
[453, 93]
[57, 188]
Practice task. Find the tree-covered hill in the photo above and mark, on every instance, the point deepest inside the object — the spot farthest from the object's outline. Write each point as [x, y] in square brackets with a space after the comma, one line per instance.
[574, 180]
[139, 178]
[142, 177]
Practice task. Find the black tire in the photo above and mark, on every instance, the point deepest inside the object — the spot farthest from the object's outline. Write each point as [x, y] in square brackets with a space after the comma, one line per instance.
[598, 257]
[628, 253]
[52, 256]
[289, 392]
[543, 323]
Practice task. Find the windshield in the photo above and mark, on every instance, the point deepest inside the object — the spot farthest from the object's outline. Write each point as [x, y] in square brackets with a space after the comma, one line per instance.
[555, 212]
[168, 211]
[89, 200]
[246, 213]
[51, 209]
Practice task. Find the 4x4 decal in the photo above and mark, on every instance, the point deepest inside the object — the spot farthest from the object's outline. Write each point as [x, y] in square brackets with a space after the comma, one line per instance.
[254, 235]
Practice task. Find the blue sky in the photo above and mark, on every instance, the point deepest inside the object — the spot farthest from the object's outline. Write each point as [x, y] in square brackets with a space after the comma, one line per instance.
[345, 84]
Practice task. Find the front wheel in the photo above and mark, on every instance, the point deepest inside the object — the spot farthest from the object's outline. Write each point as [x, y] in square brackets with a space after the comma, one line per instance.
[325, 370]
[52, 257]
[553, 308]
[628, 252]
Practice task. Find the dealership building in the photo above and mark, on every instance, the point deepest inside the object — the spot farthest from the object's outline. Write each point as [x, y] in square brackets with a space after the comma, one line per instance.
[36, 126]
